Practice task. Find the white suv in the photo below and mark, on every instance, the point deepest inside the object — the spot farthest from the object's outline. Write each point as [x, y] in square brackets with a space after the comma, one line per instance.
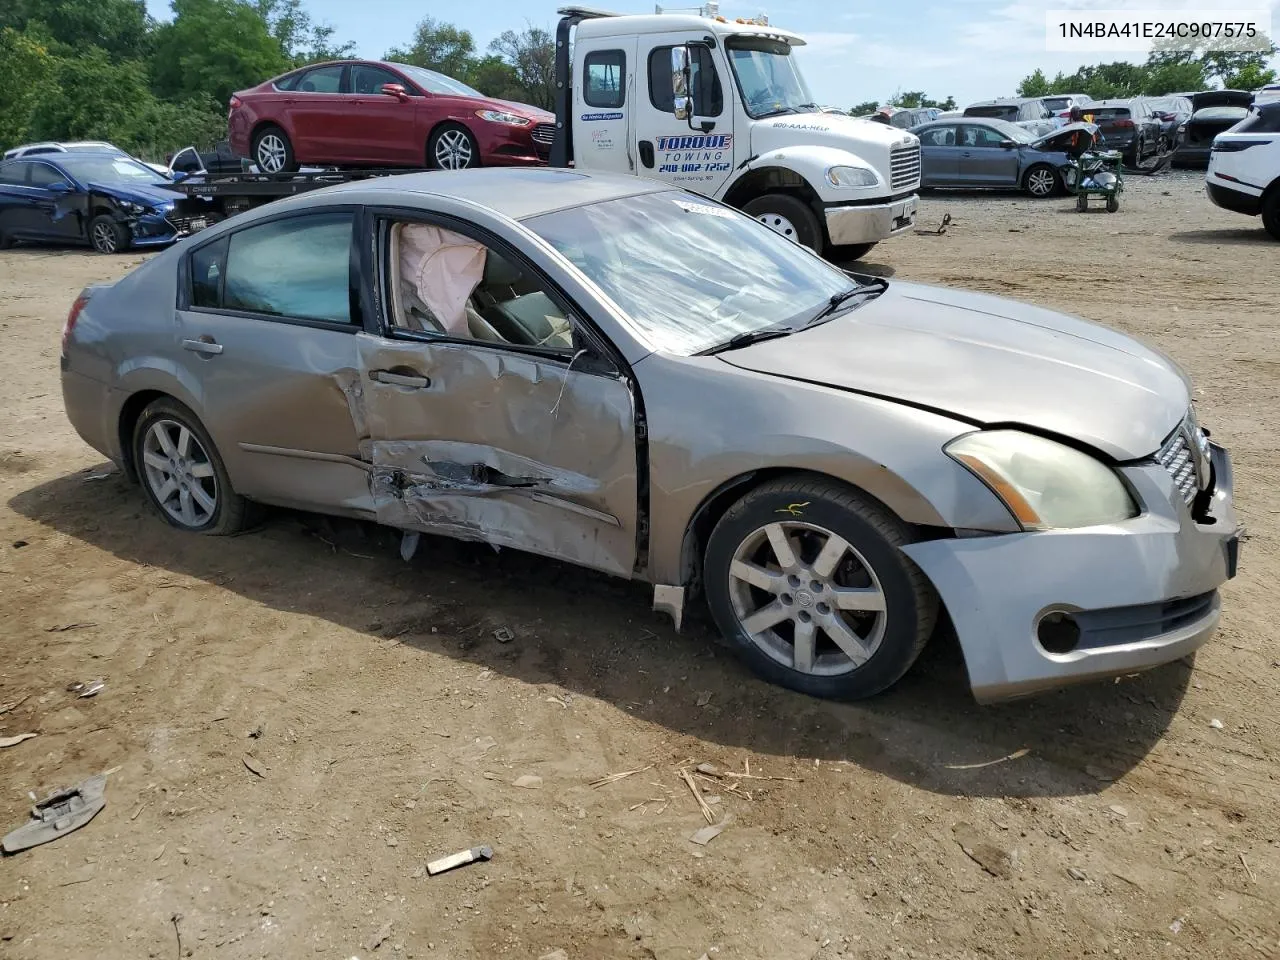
[1244, 167]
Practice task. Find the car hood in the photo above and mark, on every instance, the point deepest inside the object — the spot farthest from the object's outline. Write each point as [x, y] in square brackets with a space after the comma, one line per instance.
[990, 361]
[825, 129]
[1221, 98]
[138, 193]
[1060, 139]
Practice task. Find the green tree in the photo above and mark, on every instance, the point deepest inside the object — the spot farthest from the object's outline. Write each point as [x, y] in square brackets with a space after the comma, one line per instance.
[437, 46]
[27, 67]
[916, 98]
[863, 108]
[213, 48]
[1250, 76]
[120, 27]
[1035, 85]
[300, 38]
[88, 97]
[532, 55]
[494, 77]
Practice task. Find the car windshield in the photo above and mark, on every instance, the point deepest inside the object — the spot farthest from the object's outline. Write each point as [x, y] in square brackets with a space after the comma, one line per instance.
[1057, 104]
[1012, 131]
[768, 77]
[691, 274]
[100, 169]
[433, 82]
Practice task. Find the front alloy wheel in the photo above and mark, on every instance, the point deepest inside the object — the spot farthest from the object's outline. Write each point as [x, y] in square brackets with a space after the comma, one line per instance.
[807, 599]
[454, 150]
[808, 581]
[1041, 182]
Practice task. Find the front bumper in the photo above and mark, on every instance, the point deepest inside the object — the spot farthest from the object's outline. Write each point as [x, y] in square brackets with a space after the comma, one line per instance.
[870, 224]
[1144, 590]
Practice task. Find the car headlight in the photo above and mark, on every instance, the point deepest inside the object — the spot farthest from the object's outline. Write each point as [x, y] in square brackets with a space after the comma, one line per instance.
[1045, 484]
[132, 207]
[498, 116]
[852, 177]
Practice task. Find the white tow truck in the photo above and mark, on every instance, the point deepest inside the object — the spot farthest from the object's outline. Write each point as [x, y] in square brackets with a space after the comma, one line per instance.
[720, 107]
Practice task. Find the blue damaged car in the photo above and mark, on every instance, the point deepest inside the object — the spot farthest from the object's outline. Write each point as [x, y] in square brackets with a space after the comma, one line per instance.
[109, 202]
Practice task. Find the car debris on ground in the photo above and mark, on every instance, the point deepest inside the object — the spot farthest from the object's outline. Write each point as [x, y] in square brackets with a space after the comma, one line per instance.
[59, 814]
[460, 859]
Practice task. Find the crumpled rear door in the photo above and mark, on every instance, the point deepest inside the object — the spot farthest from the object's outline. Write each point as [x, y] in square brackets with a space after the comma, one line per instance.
[503, 447]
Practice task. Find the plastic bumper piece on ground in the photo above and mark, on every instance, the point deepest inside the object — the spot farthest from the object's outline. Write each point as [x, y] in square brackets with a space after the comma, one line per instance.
[870, 224]
[1144, 590]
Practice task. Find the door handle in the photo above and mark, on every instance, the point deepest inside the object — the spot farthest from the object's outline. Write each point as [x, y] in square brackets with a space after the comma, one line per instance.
[204, 345]
[414, 381]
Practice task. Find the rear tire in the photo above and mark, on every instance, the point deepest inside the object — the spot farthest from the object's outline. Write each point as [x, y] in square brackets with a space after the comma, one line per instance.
[846, 586]
[787, 216]
[272, 151]
[1271, 213]
[1113, 203]
[108, 236]
[182, 474]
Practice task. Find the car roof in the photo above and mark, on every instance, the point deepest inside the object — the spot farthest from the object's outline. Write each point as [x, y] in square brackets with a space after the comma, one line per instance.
[627, 24]
[515, 192]
[1114, 102]
[1006, 102]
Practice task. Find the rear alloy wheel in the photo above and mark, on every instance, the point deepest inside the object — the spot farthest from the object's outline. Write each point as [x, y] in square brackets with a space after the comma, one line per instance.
[182, 473]
[452, 147]
[107, 236]
[807, 580]
[272, 151]
[788, 216]
[1040, 181]
[1271, 213]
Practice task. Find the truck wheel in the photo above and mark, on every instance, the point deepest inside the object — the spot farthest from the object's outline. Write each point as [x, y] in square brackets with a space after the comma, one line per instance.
[849, 252]
[1041, 181]
[788, 216]
[452, 147]
[106, 235]
[1271, 213]
[272, 151]
[807, 580]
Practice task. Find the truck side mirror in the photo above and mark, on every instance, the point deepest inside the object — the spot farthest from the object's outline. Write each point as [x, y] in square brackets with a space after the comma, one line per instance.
[683, 103]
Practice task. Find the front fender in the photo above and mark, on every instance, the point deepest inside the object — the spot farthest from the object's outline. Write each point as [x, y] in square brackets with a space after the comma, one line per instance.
[811, 163]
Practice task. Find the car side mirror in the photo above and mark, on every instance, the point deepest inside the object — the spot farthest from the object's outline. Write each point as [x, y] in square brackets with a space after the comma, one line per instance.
[60, 187]
[682, 105]
[1008, 144]
[396, 90]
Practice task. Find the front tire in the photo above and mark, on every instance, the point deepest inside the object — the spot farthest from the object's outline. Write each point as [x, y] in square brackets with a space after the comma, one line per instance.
[452, 147]
[182, 473]
[108, 236]
[850, 252]
[1113, 203]
[807, 580]
[272, 151]
[1041, 181]
[787, 216]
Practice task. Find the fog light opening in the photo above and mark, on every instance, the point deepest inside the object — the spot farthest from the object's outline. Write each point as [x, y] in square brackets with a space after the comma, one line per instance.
[1058, 632]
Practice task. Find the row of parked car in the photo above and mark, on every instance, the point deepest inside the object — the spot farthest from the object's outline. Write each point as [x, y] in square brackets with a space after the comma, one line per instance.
[1140, 128]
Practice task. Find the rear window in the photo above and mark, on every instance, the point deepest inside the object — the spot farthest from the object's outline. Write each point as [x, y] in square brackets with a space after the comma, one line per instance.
[1260, 121]
[1057, 104]
[997, 113]
[1108, 113]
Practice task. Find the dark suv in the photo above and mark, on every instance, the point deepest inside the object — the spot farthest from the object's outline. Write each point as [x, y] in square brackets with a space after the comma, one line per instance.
[1130, 126]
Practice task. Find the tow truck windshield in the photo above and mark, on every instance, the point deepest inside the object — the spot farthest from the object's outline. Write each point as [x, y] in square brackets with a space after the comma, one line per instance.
[768, 77]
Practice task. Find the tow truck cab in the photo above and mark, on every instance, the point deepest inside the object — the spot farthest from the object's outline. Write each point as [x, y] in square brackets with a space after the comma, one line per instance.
[720, 107]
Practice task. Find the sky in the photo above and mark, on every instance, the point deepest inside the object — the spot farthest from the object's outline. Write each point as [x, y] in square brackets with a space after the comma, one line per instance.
[857, 51]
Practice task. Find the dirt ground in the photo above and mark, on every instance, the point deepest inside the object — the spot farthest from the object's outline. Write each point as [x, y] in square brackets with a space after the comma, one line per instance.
[385, 723]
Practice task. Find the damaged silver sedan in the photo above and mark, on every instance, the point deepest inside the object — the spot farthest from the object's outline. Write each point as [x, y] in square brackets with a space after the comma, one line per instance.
[606, 371]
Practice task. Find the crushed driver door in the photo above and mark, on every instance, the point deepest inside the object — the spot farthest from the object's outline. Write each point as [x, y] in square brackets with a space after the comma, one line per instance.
[482, 442]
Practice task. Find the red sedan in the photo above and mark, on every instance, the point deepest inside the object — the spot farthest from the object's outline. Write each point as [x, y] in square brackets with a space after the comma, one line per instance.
[372, 114]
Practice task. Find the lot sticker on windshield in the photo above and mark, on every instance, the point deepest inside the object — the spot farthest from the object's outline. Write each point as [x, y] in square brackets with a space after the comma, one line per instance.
[688, 206]
[696, 157]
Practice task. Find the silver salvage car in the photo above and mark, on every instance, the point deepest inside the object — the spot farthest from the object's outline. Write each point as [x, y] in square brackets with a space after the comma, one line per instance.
[639, 380]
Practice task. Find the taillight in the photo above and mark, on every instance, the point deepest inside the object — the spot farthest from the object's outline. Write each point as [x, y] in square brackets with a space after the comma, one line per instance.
[1123, 125]
[72, 317]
